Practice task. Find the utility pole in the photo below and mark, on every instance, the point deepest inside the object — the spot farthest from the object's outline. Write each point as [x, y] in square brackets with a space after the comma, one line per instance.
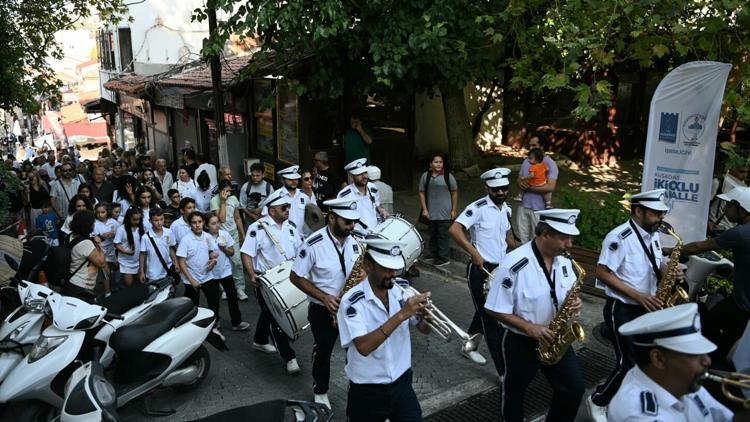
[218, 148]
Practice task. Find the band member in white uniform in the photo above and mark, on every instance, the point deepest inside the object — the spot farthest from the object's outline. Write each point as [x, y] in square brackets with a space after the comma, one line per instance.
[629, 265]
[297, 200]
[367, 195]
[323, 264]
[374, 332]
[261, 251]
[671, 359]
[530, 285]
[488, 222]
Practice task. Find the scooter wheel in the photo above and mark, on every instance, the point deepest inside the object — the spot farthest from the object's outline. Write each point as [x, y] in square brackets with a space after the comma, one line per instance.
[28, 410]
[202, 359]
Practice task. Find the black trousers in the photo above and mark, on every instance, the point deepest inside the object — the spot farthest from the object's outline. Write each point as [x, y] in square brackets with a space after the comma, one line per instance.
[439, 239]
[396, 402]
[723, 324]
[211, 290]
[483, 323]
[520, 365]
[324, 335]
[232, 302]
[617, 313]
[268, 328]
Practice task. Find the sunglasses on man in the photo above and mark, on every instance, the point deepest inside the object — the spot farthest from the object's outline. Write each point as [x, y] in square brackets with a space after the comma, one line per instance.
[497, 189]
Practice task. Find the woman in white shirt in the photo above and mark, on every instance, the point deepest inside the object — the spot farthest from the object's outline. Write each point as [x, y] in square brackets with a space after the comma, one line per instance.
[105, 228]
[125, 194]
[222, 272]
[146, 201]
[128, 244]
[184, 184]
[197, 255]
[86, 257]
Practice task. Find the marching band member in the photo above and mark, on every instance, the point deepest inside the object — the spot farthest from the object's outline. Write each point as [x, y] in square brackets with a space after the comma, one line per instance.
[323, 263]
[629, 265]
[298, 200]
[262, 250]
[671, 358]
[366, 194]
[488, 222]
[530, 284]
[377, 342]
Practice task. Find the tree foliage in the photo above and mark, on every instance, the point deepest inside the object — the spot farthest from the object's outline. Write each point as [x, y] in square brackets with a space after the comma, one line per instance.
[27, 37]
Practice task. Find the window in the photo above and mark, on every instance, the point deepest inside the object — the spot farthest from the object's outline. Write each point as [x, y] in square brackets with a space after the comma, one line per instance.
[106, 50]
[126, 49]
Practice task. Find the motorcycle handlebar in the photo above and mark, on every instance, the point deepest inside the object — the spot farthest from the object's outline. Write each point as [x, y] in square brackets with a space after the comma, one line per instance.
[110, 316]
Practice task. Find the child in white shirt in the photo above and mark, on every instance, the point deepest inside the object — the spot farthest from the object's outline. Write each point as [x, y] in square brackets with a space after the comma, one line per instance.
[128, 244]
[151, 267]
[222, 272]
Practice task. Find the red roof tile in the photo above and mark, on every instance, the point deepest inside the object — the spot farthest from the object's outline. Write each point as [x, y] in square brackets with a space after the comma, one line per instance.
[130, 84]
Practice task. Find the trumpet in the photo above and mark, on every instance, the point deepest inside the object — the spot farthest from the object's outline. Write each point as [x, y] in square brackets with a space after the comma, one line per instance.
[442, 325]
[729, 380]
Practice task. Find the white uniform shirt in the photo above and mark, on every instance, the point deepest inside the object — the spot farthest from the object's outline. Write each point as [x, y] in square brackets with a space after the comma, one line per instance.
[265, 254]
[367, 205]
[623, 254]
[154, 269]
[195, 250]
[318, 261]
[488, 226]
[297, 206]
[129, 264]
[360, 313]
[108, 247]
[165, 182]
[180, 228]
[223, 267]
[641, 399]
[202, 200]
[521, 288]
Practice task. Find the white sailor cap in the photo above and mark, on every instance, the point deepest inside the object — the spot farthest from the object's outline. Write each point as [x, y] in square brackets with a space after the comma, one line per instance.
[344, 207]
[677, 328]
[373, 173]
[561, 220]
[357, 166]
[741, 194]
[496, 177]
[387, 253]
[291, 173]
[654, 199]
[278, 197]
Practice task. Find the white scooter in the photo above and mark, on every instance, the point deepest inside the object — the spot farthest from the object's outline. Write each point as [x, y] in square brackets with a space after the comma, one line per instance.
[163, 348]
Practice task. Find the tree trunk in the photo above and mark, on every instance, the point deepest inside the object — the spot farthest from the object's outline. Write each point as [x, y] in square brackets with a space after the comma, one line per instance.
[460, 143]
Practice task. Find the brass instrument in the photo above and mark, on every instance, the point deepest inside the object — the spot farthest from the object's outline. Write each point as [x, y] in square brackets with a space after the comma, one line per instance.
[353, 279]
[442, 325]
[487, 282]
[562, 325]
[730, 380]
[668, 291]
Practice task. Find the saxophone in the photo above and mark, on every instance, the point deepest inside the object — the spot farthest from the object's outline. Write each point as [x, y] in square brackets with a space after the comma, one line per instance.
[353, 279]
[668, 291]
[562, 325]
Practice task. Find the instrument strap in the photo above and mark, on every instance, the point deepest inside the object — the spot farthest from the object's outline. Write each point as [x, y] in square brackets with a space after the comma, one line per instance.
[550, 278]
[339, 253]
[649, 251]
[275, 241]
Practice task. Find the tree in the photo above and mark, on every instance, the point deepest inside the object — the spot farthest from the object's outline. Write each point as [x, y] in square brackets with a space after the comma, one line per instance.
[27, 36]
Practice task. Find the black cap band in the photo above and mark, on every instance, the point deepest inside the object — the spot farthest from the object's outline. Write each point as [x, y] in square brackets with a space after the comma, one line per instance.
[648, 338]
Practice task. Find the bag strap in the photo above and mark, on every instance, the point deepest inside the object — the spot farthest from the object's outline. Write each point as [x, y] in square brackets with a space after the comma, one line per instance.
[158, 252]
[85, 261]
[65, 192]
[426, 187]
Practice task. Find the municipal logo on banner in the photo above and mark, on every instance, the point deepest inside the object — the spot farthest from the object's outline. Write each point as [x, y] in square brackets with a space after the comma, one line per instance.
[693, 129]
[668, 127]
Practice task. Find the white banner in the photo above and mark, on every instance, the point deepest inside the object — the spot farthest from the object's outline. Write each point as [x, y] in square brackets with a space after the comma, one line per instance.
[682, 126]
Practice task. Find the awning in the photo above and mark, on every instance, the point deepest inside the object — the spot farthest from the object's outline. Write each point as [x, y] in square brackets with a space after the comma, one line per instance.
[128, 84]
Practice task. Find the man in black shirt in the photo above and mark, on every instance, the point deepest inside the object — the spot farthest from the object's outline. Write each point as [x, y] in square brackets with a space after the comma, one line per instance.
[101, 188]
[327, 182]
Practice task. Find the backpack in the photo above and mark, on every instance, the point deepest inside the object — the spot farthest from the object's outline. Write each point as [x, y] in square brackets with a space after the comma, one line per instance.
[57, 264]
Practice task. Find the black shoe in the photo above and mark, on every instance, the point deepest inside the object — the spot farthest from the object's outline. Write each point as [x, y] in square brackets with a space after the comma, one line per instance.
[428, 259]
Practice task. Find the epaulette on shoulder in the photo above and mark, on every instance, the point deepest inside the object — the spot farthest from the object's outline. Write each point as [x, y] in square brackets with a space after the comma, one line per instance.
[291, 223]
[481, 203]
[519, 265]
[402, 281]
[315, 239]
[625, 233]
[649, 406]
[356, 297]
[345, 192]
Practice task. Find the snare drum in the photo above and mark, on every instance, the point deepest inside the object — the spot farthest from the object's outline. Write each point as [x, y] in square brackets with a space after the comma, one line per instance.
[398, 229]
[287, 303]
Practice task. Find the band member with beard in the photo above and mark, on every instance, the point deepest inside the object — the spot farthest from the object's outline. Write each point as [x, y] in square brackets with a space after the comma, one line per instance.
[378, 346]
[488, 222]
[529, 286]
[630, 266]
[366, 194]
[323, 263]
[671, 359]
[298, 200]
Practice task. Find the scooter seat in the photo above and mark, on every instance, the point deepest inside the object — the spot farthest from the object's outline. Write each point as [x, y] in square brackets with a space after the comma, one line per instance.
[126, 299]
[153, 323]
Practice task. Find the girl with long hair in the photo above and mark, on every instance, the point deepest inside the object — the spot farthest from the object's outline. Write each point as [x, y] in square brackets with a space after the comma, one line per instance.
[128, 244]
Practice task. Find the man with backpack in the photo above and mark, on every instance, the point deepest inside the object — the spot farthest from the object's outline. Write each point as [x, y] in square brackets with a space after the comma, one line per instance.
[253, 192]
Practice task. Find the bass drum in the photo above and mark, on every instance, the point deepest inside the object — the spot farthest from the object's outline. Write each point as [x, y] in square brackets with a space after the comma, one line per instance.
[287, 303]
[396, 228]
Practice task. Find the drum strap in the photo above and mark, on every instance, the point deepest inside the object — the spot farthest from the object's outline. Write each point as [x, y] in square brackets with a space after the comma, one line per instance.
[275, 241]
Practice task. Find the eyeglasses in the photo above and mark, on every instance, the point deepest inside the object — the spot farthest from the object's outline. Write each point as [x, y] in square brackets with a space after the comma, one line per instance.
[284, 207]
[497, 189]
[307, 179]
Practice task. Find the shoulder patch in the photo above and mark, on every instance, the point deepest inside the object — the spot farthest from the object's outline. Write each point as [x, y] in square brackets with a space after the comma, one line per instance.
[657, 243]
[355, 248]
[292, 223]
[315, 239]
[356, 297]
[302, 253]
[613, 246]
[374, 189]
[301, 199]
[625, 233]
[469, 213]
[481, 203]
[351, 312]
[345, 192]
[565, 270]
[402, 281]
[701, 406]
[253, 233]
[291, 232]
[519, 265]
[507, 283]
[649, 406]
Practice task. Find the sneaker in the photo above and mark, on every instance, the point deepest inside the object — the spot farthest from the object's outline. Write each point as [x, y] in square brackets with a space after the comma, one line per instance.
[441, 262]
[428, 259]
[241, 296]
[292, 367]
[475, 357]
[242, 326]
[265, 348]
[322, 399]
[596, 413]
[224, 296]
